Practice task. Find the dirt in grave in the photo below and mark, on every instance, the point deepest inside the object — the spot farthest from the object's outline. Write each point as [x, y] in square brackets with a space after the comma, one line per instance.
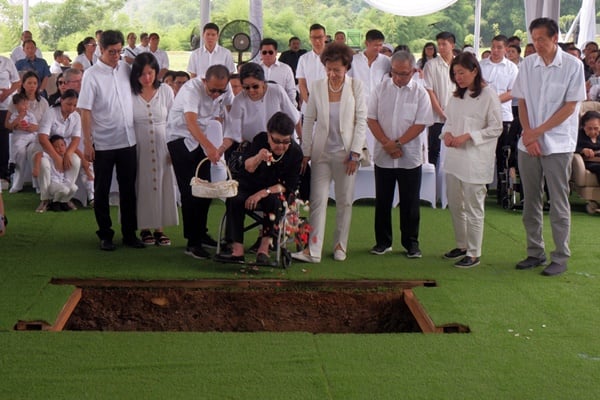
[254, 310]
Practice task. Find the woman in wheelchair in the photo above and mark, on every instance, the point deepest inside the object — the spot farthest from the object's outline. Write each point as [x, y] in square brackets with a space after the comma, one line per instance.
[272, 170]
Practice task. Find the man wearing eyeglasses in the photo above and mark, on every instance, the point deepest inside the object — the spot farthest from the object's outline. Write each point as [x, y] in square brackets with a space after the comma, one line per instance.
[399, 110]
[310, 67]
[276, 71]
[190, 125]
[109, 139]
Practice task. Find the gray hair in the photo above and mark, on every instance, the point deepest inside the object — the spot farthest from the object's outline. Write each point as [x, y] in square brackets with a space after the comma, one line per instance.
[403, 56]
[71, 72]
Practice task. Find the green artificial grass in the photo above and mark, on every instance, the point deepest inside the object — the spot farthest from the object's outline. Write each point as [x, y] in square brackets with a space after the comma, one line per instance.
[532, 337]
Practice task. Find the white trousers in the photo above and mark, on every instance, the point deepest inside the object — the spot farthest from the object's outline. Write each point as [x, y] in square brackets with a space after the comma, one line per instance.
[48, 190]
[466, 203]
[330, 166]
[20, 145]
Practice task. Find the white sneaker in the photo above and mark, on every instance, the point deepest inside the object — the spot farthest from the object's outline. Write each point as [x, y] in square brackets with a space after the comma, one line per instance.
[301, 256]
[339, 255]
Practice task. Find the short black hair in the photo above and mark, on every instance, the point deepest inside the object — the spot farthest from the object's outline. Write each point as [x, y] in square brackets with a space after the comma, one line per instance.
[55, 138]
[589, 115]
[218, 71]
[137, 67]
[154, 34]
[252, 70]
[449, 36]
[182, 73]
[268, 42]
[109, 38]
[316, 27]
[548, 23]
[58, 53]
[19, 98]
[293, 38]
[516, 47]
[210, 25]
[500, 38]
[374, 34]
[280, 123]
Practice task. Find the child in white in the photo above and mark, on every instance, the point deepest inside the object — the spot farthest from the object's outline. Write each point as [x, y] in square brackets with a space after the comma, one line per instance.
[24, 127]
[60, 188]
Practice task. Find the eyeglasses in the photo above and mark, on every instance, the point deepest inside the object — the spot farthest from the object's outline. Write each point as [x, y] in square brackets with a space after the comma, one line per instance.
[179, 83]
[269, 52]
[114, 52]
[283, 142]
[213, 91]
[75, 81]
[91, 44]
[401, 74]
[253, 87]
[62, 82]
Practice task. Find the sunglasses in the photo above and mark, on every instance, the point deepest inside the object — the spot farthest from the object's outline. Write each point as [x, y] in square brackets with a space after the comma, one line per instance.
[283, 142]
[253, 87]
[220, 91]
[269, 52]
[62, 82]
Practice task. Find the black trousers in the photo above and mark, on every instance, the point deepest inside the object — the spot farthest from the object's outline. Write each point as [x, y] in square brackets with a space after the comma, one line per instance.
[236, 213]
[4, 146]
[409, 188]
[125, 162]
[433, 142]
[503, 140]
[194, 210]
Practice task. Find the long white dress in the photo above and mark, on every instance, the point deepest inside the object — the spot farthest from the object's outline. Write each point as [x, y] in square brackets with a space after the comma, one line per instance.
[155, 185]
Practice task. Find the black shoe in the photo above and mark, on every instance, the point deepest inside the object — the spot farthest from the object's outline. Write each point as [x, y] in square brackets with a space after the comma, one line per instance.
[197, 252]
[455, 253]
[380, 249]
[414, 253]
[107, 245]
[230, 259]
[467, 262]
[209, 242]
[134, 243]
[530, 262]
[264, 260]
[54, 206]
[64, 207]
[554, 269]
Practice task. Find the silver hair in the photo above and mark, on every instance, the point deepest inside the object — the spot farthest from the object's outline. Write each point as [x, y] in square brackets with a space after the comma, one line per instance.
[403, 56]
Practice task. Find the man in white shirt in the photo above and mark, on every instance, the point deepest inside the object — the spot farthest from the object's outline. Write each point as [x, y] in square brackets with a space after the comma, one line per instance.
[10, 81]
[189, 118]
[276, 71]
[18, 53]
[550, 87]
[61, 62]
[143, 47]
[210, 53]
[109, 139]
[500, 73]
[161, 56]
[399, 110]
[310, 68]
[440, 89]
[369, 65]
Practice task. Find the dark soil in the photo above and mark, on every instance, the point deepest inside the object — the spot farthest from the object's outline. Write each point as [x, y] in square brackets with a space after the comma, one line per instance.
[242, 310]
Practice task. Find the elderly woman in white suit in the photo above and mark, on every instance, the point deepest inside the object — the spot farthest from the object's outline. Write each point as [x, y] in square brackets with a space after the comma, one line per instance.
[336, 115]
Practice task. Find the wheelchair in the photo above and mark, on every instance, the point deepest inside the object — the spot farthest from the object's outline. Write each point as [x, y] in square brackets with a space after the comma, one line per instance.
[509, 183]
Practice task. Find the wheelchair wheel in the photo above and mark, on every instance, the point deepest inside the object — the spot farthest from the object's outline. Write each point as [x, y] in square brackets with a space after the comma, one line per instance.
[286, 258]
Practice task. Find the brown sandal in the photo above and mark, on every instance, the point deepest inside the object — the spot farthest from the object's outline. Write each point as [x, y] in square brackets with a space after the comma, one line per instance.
[161, 239]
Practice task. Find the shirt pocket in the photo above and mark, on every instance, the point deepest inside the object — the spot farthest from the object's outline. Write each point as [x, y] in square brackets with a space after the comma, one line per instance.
[407, 111]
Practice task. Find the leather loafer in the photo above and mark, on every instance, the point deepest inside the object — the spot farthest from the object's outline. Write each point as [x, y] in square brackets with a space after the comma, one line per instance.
[554, 269]
[107, 245]
[530, 262]
[230, 259]
[134, 243]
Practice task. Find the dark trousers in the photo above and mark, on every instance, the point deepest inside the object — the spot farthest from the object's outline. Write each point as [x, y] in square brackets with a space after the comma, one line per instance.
[194, 210]
[125, 162]
[409, 188]
[433, 142]
[4, 146]
[503, 140]
[236, 213]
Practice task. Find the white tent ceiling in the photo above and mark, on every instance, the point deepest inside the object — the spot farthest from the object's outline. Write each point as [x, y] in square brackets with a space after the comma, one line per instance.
[410, 8]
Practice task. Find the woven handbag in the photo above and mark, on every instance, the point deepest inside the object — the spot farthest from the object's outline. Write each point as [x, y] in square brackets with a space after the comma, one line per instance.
[213, 190]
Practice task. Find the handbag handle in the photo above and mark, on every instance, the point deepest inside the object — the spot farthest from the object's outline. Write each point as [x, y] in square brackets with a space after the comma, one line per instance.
[229, 177]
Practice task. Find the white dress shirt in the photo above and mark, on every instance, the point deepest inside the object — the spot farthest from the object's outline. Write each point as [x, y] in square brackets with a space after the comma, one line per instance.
[282, 74]
[370, 76]
[201, 59]
[310, 68]
[437, 79]
[162, 58]
[8, 76]
[397, 109]
[501, 77]
[53, 123]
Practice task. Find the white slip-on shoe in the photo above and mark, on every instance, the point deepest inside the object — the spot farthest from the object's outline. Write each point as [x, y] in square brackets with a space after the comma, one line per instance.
[302, 256]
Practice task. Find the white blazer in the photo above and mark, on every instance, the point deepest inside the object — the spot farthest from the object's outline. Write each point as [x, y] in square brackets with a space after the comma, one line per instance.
[353, 118]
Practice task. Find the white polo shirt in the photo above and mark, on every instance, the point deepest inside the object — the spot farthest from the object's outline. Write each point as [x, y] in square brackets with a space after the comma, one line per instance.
[8, 76]
[162, 58]
[248, 118]
[192, 97]
[310, 68]
[397, 109]
[437, 79]
[53, 123]
[83, 60]
[501, 77]
[282, 74]
[545, 89]
[106, 92]
[370, 76]
[201, 59]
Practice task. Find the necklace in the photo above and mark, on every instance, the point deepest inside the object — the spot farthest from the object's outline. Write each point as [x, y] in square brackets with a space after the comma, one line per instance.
[275, 160]
[335, 90]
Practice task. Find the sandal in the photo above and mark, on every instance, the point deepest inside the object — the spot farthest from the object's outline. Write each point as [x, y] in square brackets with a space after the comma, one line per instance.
[146, 237]
[162, 239]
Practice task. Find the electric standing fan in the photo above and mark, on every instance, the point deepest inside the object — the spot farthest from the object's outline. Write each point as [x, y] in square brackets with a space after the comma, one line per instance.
[241, 37]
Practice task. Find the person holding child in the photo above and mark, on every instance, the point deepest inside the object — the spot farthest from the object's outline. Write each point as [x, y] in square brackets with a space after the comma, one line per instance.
[587, 142]
[60, 119]
[60, 186]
